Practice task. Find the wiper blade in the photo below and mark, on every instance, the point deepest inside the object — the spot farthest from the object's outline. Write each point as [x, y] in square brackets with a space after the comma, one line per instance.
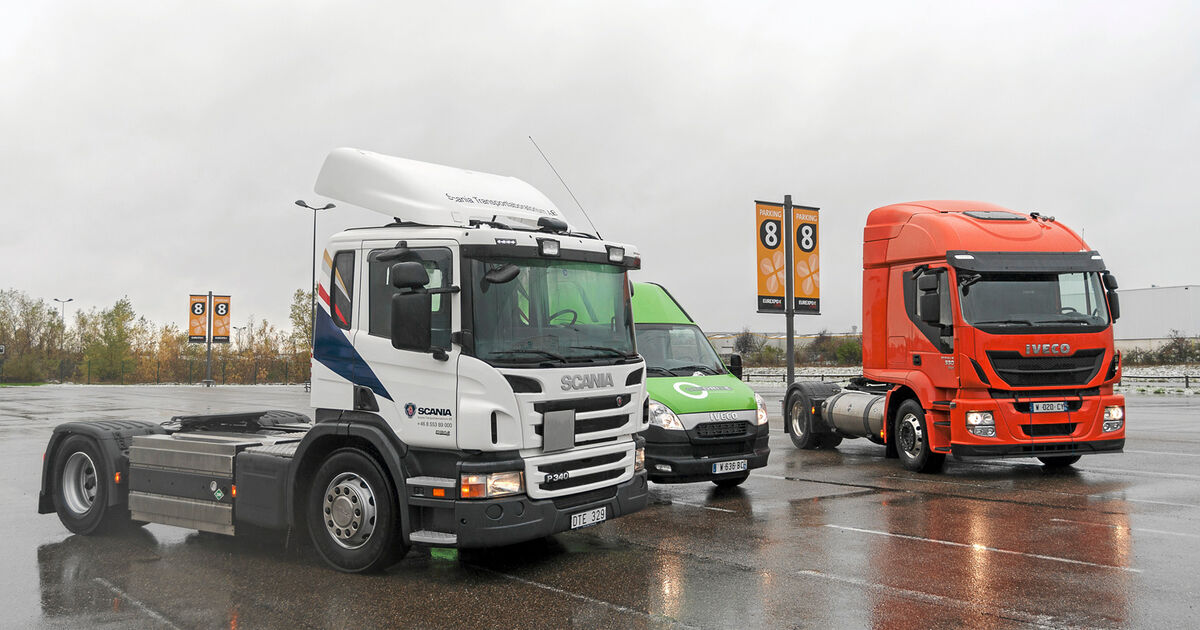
[1063, 321]
[696, 367]
[659, 370]
[992, 322]
[544, 353]
[603, 348]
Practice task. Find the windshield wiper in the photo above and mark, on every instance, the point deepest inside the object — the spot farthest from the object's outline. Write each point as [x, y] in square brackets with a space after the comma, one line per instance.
[1023, 322]
[696, 367]
[544, 353]
[1063, 321]
[659, 370]
[604, 348]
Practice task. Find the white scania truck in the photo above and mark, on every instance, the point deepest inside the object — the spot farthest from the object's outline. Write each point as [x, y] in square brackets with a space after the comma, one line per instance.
[474, 375]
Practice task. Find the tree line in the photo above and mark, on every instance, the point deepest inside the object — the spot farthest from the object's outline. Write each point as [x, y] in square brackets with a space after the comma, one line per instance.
[823, 350]
[116, 345]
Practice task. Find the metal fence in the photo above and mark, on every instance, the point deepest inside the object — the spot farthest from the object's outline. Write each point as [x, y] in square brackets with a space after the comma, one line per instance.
[1166, 380]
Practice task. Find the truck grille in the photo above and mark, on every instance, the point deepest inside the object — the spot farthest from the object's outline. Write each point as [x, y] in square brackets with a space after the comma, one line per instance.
[1049, 430]
[579, 472]
[721, 429]
[1022, 371]
[592, 425]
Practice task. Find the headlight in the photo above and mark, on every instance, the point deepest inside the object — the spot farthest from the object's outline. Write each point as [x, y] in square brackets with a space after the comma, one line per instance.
[490, 485]
[662, 416]
[639, 459]
[1114, 418]
[762, 409]
[981, 423]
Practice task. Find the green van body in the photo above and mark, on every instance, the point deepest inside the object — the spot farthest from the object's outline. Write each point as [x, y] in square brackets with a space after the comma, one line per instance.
[705, 423]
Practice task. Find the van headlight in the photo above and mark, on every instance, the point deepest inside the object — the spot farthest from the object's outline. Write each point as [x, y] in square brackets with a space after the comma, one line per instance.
[762, 410]
[661, 415]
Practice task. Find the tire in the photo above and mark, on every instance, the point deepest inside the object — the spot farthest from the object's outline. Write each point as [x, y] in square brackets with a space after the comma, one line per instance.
[81, 490]
[798, 425]
[731, 482]
[912, 443]
[1055, 463]
[830, 441]
[352, 514]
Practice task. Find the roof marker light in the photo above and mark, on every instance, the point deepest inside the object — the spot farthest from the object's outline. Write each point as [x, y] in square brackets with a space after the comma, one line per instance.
[616, 254]
[964, 257]
[548, 247]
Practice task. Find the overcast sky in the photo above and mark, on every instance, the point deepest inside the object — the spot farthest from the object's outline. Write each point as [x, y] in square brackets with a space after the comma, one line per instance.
[152, 149]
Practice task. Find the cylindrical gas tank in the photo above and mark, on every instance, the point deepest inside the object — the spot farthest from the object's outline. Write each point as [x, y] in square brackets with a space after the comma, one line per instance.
[857, 414]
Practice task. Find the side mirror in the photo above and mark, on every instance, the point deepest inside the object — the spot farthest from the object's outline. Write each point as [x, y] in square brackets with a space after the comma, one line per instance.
[500, 275]
[735, 365]
[409, 275]
[412, 319]
[1110, 281]
[1114, 306]
[929, 308]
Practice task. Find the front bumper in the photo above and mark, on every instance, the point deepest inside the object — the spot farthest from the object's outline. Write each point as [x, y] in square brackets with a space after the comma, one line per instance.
[1038, 449]
[691, 457]
[497, 522]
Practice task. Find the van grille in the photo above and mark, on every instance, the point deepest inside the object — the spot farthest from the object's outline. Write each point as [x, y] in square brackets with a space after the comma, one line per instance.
[1022, 371]
[721, 429]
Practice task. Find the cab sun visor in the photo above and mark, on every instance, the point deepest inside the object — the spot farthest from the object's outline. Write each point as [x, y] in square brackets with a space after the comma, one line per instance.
[1025, 262]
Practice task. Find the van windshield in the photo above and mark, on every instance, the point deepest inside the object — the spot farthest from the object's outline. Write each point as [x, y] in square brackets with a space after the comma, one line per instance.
[677, 350]
[1061, 300]
[553, 310]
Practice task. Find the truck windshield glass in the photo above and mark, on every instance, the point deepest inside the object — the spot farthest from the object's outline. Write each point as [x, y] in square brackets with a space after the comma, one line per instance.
[1067, 300]
[677, 350]
[554, 310]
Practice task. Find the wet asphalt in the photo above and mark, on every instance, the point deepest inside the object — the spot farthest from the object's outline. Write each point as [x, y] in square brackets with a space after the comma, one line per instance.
[820, 539]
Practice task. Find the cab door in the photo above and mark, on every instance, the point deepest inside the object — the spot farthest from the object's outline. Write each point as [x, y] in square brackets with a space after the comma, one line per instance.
[416, 392]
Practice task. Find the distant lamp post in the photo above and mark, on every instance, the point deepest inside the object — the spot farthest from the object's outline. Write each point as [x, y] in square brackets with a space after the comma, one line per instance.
[237, 335]
[62, 320]
[312, 320]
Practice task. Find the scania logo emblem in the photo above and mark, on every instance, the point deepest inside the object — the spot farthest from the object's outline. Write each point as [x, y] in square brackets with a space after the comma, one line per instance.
[1033, 349]
[410, 410]
[586, 381]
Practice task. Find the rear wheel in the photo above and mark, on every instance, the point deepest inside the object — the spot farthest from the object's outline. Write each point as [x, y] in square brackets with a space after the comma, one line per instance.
[912, 439]
[1064, 461]
[81, 488]
[352, 514]
[799, 425]
[731, 482]
[830, 440]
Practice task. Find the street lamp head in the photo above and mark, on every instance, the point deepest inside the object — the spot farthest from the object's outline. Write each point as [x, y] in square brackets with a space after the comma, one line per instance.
[64, 301]
[302, 204]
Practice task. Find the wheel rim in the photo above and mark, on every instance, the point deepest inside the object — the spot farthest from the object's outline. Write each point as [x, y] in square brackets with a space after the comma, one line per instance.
[348, 510]
[79, 483]
[797, 423]
[910, 437]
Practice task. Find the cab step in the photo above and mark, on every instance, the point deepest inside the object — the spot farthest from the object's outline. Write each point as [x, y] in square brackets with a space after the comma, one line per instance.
[427, 537]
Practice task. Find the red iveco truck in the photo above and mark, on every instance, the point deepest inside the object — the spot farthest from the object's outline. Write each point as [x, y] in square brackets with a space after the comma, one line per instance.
[986, 333]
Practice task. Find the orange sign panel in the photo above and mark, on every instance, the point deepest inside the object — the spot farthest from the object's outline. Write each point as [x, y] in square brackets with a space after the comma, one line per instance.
[198, 319]
[220, 319]
[806, 260]
[771, 259]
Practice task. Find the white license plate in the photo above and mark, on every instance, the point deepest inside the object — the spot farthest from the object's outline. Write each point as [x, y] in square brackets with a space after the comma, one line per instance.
[736, 465]
[1048, 407]
[590, 517]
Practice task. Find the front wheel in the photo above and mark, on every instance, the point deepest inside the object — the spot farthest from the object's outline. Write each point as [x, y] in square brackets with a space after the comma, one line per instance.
[800, 427]
[1054, 463]
[912, 439]
[352, 514]
[80, 488]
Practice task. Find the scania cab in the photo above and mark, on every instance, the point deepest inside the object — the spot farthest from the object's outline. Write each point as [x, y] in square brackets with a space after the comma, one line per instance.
[705, 423]
[474, 374]
[986, 333]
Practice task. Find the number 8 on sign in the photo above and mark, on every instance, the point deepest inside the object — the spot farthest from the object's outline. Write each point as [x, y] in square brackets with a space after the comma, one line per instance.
[806, 237]
[198, 308]
[768, 233]
[221, 310]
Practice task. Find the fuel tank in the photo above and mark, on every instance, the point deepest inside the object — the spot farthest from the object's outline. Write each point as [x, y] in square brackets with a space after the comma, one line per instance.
[855, 414]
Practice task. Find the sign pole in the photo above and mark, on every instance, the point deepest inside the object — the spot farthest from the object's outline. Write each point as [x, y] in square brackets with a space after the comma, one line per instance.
[208, 382]
[789, 307]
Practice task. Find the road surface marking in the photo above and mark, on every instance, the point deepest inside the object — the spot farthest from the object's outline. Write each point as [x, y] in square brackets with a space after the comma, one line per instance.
[1041, 621]
[951, 543]
[701, 505]
[137, 604]
[1164, 453]
[1127, 471]
[1127, 528]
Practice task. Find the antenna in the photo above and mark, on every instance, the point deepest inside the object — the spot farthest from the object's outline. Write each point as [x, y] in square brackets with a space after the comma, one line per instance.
[564, 183]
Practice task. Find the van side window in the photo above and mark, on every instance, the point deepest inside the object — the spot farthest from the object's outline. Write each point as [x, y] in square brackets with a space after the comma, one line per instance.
[438, 264]
[341, 289]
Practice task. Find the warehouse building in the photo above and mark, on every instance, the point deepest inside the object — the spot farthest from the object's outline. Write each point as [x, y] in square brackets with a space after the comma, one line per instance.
[1149, 316]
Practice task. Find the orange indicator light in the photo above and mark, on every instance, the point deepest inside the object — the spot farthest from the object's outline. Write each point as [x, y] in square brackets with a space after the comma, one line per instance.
[117, 478]
[439, 492]
[233, 490]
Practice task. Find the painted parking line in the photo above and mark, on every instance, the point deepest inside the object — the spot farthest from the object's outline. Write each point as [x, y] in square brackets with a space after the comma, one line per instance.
[150, 612]
[951, 543]
[1146, 530]
[1146, 473]
[1040, 621]
[1163, 453]
[701, 505]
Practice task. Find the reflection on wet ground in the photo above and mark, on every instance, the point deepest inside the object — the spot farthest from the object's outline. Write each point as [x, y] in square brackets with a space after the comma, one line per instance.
[816, 539]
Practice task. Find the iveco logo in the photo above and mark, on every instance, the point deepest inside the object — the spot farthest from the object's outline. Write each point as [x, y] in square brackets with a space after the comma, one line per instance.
[1047, 348]
[587, 381]
[723, 415]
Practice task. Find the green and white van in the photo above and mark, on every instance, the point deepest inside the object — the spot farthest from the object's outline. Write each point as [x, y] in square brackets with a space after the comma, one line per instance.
[705, 423]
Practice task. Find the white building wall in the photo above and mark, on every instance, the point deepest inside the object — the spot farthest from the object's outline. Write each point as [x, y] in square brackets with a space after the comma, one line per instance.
[1152, 313]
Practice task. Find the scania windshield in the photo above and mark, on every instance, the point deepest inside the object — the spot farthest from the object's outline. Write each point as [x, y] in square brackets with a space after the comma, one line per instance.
[677, 350]
[1070, 301]
[533, 311]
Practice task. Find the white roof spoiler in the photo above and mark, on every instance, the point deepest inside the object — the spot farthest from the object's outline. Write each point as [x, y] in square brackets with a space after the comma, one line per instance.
[429, 194]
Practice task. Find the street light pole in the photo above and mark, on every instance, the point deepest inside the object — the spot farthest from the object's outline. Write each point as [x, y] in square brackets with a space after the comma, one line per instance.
[62, 320]
[312, 317]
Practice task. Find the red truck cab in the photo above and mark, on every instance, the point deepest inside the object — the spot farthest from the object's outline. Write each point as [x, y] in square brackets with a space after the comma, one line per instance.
[986, 333]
